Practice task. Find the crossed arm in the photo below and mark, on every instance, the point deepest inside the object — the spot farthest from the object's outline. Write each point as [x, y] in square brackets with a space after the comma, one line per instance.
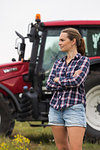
[57, 83]
[56, 79]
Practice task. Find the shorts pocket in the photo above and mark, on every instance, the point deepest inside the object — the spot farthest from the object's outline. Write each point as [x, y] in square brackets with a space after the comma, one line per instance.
[78, 107]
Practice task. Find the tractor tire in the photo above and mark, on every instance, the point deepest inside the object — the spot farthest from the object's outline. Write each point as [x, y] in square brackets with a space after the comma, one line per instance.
[92, 87]
[6, 120]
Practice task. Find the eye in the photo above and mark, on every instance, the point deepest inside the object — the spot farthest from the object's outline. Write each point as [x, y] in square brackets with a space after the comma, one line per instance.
[61, 40]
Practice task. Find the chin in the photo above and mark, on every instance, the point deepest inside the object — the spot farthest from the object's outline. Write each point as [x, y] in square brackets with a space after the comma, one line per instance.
[63, 50]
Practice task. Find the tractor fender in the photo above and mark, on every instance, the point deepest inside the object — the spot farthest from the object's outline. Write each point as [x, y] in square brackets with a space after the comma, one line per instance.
[94, 61]
[12, 96]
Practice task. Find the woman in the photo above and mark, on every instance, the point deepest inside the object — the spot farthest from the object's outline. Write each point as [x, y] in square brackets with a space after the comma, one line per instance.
[67, 106]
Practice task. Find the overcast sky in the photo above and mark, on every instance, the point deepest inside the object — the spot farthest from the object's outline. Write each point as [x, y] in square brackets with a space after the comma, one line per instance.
[17, 14]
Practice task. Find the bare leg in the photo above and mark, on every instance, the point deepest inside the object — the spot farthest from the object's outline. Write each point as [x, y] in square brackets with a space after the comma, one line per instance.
[76, 135]
[61, 137]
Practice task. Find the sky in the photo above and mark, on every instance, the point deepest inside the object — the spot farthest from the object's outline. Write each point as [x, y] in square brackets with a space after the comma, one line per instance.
[15, 15]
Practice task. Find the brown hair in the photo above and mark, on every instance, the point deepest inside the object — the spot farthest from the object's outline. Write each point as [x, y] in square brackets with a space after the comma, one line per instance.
[74, 33]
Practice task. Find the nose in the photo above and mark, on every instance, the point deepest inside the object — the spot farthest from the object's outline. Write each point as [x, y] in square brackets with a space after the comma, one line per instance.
[59, 43]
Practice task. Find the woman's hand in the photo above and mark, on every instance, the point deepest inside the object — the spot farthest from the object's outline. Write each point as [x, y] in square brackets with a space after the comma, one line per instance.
[77, 73]
[56, 79]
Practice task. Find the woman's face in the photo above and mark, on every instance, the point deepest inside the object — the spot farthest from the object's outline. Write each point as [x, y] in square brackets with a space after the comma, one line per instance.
[65, 43]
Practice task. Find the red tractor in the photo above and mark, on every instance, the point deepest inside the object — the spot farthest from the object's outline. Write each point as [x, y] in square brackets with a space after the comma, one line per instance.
[23, 96]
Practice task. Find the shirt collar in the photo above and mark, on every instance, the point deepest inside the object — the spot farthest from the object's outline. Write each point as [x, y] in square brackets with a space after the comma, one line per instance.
[77, 56]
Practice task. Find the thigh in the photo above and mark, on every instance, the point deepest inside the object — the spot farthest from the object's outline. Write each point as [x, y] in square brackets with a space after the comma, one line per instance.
[61, 137]
[76, 135]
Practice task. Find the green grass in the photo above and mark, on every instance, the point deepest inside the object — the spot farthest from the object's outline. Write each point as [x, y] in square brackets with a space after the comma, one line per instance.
[41, 138]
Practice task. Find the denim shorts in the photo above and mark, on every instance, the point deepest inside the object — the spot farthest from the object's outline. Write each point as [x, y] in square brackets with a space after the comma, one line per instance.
[71, 116]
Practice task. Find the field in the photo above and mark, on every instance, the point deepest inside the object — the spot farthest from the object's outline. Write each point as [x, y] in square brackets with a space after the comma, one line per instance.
[40, 138]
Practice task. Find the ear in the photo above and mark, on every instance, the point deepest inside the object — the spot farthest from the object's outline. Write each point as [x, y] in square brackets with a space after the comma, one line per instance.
[74, 41]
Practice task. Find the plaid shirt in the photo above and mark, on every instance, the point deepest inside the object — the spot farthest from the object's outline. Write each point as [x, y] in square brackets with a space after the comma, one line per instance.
[68, 90]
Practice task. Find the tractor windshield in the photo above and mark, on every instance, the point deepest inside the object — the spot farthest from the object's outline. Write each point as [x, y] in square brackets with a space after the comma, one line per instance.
[52, 50]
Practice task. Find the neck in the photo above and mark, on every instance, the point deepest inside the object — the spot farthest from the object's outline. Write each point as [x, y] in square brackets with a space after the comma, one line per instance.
[71, 54]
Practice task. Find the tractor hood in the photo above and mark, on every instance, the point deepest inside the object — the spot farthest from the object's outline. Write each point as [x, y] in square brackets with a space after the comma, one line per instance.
[12, 70]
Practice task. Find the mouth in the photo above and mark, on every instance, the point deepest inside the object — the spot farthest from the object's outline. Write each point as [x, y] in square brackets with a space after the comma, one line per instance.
[61, 47]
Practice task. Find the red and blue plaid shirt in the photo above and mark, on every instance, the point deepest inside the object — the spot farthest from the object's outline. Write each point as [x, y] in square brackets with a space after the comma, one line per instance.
[68, 90]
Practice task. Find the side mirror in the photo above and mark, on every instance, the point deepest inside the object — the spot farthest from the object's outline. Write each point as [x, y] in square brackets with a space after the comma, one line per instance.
[20, 46]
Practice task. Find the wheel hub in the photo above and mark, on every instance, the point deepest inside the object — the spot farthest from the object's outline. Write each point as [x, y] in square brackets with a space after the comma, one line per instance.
[98, 108]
